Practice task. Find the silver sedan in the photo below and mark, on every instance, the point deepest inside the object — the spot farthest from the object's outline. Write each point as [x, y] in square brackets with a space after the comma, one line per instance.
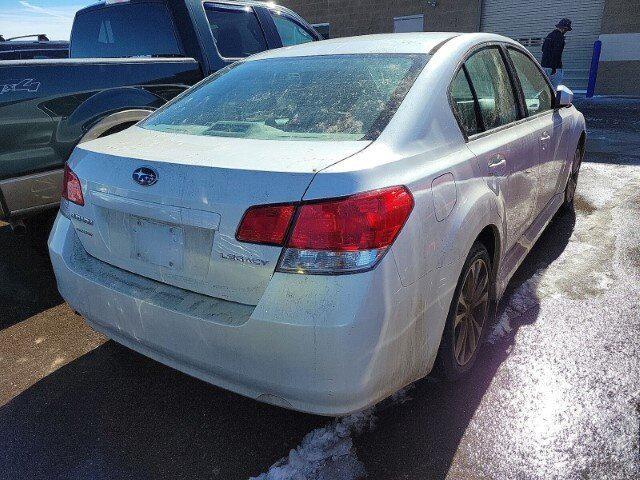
[320, 225]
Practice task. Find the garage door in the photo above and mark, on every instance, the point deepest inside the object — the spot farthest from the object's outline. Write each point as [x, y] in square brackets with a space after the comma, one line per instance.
[529, 23]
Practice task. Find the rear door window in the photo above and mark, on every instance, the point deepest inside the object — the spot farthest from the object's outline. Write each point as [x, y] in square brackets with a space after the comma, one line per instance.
[491, 82]
[125, 30]
[538, 96]
[464, 104]
[291, 33]
[236, 30]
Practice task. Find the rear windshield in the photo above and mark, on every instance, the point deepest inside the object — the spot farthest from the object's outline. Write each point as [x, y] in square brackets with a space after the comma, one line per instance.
[332, 97]
[125, 30]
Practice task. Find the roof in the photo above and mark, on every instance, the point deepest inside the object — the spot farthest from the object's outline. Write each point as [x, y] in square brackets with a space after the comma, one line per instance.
[256, 3]
[420, 42]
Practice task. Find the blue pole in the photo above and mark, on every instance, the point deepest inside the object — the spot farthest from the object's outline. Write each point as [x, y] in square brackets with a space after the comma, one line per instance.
[593, 71]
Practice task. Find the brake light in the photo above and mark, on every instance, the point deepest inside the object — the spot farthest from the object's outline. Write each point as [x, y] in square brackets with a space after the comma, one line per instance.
[71, 187]
[365, 221]
[266, 224]
[342, 235]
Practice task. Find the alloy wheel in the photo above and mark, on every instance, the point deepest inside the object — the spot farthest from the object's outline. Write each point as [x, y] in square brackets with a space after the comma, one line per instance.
[471, 311]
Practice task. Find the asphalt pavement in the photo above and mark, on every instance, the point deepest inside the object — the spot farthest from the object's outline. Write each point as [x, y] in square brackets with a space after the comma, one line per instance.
[556, 393]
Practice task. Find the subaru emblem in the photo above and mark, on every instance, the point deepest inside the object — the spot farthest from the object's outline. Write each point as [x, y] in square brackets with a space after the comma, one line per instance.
[145, 176]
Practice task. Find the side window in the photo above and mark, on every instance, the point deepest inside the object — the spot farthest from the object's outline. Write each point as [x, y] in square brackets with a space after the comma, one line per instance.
[464, 104]
[490, 80]
[237, 31]
[538, 95]
[290, 32]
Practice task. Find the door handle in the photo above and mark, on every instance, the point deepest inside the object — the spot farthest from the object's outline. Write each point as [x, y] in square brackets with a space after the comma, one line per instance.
[497, 162]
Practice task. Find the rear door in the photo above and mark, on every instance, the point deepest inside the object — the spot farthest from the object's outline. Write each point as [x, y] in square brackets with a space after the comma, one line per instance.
[504, 144]
[546, 123]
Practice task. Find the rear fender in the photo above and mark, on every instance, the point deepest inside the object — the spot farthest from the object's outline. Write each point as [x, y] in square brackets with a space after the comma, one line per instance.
[475, 211]
[92, 111]
[479, 210]
[470, 219]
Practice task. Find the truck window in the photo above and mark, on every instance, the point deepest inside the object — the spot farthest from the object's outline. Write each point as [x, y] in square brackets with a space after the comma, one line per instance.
[290, 32]
[124, 30]
[236, 30]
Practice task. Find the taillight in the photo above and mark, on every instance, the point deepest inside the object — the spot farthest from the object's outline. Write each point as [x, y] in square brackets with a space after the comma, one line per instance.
[71, 187]
[342, 235]
[267, 224]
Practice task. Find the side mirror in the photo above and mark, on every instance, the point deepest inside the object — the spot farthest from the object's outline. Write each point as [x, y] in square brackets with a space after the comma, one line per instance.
[564, 96]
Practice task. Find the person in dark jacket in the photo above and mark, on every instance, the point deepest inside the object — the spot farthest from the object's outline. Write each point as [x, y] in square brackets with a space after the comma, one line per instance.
[552, 51]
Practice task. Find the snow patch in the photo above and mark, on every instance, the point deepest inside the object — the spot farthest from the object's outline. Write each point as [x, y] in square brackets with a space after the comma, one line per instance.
[502, 328]
[521, 300]
[327, 453]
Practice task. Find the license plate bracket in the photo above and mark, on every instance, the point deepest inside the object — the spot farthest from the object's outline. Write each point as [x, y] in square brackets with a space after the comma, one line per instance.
[158, 243]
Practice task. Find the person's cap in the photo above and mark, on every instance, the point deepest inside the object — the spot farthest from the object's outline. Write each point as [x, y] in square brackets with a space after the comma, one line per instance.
[564, 23]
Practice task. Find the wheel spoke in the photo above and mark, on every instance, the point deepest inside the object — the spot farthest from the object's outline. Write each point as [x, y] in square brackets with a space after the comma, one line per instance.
[475, 270]
[462, 303]
[462, 337]
[480, 287]
[483, 299]
[477, 326]
[471, 311]
[468, 286]
[472, 337]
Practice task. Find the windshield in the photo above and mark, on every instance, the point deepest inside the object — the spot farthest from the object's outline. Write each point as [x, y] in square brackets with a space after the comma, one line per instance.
[332, 97]
[124, 30]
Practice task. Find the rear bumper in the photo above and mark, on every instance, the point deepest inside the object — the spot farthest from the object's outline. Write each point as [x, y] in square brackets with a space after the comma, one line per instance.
[325, 345]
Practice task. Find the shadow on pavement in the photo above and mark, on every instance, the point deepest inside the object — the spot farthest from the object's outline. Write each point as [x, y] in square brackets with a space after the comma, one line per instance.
[27, 283]
[419, 439]
[114, 414]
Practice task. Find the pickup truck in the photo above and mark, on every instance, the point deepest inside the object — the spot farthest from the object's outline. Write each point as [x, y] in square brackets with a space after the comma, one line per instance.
[127, 58]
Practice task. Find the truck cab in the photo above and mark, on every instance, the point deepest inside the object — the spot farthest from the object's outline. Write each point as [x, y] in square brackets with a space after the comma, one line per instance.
[126, 59]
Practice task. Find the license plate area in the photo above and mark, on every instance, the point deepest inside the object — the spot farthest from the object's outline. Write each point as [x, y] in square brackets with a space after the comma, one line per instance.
[157, 243]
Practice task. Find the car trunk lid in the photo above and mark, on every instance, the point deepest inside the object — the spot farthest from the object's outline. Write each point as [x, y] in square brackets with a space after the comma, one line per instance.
[181, 229]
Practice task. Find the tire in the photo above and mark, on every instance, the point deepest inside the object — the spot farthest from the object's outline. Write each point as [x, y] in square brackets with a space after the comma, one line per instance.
[572, 181]
[457, 355]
